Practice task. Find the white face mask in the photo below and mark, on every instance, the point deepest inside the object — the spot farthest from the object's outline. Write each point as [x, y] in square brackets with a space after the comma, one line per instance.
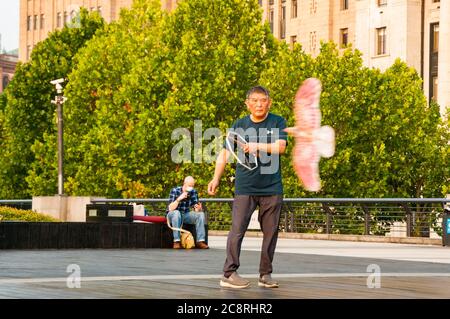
[189, 188]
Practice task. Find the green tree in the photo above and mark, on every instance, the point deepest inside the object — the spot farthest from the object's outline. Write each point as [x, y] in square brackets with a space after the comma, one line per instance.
[387, 138]
[101, 140]
[2, 117]
[29, 114]
[92, 97]
[218, 50]
[152, 72]
[147, 75]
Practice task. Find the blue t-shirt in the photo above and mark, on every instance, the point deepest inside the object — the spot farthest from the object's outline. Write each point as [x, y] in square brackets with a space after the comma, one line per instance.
[265, 179]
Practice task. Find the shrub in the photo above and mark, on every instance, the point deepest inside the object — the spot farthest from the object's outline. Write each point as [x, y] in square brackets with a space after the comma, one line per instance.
[13, 214]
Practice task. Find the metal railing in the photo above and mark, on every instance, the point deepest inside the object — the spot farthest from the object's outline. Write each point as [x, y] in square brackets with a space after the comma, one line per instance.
[395, 217]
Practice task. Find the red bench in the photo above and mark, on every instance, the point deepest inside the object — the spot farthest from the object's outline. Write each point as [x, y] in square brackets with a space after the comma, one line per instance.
[151, 219]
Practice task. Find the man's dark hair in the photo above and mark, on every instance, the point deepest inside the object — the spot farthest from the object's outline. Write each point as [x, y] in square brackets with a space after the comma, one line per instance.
[258, 89]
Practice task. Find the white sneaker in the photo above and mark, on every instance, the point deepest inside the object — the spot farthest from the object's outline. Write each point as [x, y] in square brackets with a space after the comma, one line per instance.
[267, 282]
[234, 281]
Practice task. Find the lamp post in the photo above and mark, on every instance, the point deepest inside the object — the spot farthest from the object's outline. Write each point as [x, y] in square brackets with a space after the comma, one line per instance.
[59, 100]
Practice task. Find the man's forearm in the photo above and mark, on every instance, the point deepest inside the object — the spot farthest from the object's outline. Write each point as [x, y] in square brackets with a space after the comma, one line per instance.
[279, 147]
[220, 164]
[173, 205]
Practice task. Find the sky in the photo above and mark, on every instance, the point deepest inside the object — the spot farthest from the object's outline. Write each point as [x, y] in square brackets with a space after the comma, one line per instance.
[9, 24]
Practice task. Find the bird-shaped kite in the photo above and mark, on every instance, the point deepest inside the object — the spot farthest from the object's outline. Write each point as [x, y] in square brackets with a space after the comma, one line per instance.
[311, 140]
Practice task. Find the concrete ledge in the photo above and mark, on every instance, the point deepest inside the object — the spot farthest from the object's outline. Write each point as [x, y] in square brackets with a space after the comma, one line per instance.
[64, 208]
[75, 235]
[80, 235]
[337, 237]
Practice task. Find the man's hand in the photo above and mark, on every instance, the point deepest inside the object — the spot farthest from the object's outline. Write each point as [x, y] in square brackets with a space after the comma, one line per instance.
[251, 148]
[183, 195]
[198, 207]
[212, 187]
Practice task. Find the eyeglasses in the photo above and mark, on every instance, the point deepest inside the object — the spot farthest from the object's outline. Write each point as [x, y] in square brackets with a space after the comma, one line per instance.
[255, 100]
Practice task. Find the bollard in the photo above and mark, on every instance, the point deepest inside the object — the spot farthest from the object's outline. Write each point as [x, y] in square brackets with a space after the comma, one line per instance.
[446, 226]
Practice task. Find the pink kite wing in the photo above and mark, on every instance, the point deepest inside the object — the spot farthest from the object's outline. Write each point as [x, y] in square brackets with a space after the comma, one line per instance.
[306, 106]
[305, 159]
[311, 140]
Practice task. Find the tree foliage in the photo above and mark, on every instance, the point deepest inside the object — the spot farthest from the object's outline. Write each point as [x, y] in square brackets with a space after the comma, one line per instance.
[29, 114]
[147, 75]
[141, 78]
[389, 142]
[98, 122]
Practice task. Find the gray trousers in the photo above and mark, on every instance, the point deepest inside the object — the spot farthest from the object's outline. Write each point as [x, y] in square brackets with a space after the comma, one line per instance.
[269, 218]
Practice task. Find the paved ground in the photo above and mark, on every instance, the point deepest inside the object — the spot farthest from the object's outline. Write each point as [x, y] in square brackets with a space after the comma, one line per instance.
[304, 268]
[411, 252]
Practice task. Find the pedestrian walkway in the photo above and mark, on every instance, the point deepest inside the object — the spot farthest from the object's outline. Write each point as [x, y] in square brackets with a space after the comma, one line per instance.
[411, 252]
[304, 269]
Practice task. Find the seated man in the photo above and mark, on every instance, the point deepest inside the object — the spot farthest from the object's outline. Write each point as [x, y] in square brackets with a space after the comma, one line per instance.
[181, 199]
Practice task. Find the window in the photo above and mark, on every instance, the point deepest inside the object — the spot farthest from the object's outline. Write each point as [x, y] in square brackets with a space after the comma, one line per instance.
[434, 61]
[293, 41]
[294, 9]
[381, 41]
[271, 2]
[59, 20]
[344, 4]
[435, 42]
[435, 1]
[343, 38]
[73, 14]
[66, 17]
[260, 3]
[312, 6]
[283, 22]
[434, 91]
[92, 9]
[28, 23]
[35, 22]
[312, 41]
[381, 2]
[5, 82]
[42, 23]
[99, 9]
[28, 51]
[271, 15]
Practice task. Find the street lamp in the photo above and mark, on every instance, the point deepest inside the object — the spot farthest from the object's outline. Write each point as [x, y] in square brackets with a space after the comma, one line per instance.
[59, 100]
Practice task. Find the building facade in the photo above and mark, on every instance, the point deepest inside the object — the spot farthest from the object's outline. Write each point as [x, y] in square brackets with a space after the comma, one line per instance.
[417, 31]
[39, 17]
[310, 21]
[7, 69]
